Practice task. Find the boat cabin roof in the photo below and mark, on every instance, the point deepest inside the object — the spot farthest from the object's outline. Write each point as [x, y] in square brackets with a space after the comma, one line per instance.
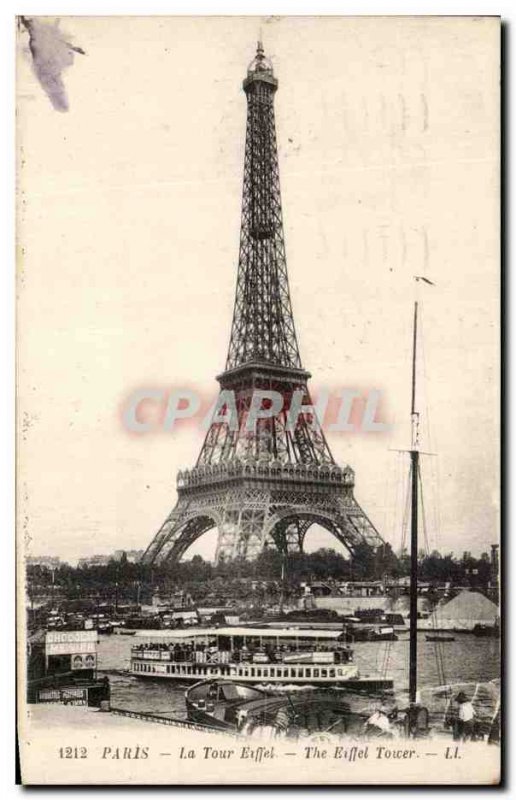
[248, 633]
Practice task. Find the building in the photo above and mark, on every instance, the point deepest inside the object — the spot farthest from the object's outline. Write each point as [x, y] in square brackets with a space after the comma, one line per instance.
[49, 562]
[132, 556]
[94, 561]
[176, 600]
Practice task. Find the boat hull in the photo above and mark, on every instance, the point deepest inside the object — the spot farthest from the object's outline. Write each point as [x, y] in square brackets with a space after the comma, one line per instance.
[235, 706]
[352, 682]
[440, 638]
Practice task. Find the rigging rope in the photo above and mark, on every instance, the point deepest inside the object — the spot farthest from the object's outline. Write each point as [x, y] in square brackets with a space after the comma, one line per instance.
[438, 648]
[432, 444]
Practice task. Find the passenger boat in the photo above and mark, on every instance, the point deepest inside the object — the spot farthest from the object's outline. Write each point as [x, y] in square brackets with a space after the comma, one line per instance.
[270, 656]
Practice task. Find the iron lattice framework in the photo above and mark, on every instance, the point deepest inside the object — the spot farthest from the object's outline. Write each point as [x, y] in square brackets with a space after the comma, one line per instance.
[266, 484]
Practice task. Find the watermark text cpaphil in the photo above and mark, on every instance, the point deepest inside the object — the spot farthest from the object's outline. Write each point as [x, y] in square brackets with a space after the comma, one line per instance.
[151, 409]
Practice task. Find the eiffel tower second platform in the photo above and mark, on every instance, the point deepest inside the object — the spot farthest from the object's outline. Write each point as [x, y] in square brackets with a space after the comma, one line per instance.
[266, 485]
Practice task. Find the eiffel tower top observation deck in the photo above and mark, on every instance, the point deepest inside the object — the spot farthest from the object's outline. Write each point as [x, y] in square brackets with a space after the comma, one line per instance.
[269, 483]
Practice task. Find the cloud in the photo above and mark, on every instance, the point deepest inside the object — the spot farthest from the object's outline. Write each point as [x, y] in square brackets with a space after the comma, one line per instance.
[51, 54]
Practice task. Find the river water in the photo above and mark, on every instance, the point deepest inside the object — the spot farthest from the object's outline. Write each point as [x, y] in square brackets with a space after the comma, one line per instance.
[466, 660]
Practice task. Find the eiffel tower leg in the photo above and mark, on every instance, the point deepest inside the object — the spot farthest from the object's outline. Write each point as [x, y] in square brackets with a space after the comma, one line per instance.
[186, 536]
[290, 537]
[227, 541]
[357, 527]
[302, 528]
[182, 527]
[243, 525]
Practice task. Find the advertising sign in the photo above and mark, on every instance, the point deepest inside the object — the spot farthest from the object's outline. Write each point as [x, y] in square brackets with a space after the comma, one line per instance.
[84, 661]
[59, 643]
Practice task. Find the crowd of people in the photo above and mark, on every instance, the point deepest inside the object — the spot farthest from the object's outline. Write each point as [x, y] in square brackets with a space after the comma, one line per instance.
[251, 652]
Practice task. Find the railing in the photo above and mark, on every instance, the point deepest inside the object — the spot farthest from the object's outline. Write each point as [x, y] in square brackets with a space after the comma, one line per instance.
[274, 470]
[173, 721]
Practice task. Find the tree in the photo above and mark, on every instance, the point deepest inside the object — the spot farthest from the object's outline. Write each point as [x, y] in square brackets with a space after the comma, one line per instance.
[386, 562]
[363, 562]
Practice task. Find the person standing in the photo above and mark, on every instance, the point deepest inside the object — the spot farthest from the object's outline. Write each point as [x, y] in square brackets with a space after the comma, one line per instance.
[465, 722]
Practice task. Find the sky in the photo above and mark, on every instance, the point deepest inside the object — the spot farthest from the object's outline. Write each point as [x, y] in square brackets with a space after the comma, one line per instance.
[128, 229]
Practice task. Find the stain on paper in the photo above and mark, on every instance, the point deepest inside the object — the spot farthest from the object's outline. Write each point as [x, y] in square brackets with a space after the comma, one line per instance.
[51, 54]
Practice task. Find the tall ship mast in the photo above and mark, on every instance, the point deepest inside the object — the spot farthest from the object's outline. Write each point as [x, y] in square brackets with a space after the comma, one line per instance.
[414, 493]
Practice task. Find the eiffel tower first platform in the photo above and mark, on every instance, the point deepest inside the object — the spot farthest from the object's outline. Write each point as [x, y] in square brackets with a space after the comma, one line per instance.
[266, 485]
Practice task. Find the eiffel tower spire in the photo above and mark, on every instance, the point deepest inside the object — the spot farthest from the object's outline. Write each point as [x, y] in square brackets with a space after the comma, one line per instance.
[263, 351]
[263, 326]
[266, 483]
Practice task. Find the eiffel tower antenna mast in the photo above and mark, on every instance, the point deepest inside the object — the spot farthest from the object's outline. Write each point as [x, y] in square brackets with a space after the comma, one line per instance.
[268, 485]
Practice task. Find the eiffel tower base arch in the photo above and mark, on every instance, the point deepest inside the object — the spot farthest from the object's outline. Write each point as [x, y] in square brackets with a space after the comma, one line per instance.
[254, 516]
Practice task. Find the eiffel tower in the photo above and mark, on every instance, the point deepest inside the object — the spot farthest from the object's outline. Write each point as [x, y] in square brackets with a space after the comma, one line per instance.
[263, 485]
